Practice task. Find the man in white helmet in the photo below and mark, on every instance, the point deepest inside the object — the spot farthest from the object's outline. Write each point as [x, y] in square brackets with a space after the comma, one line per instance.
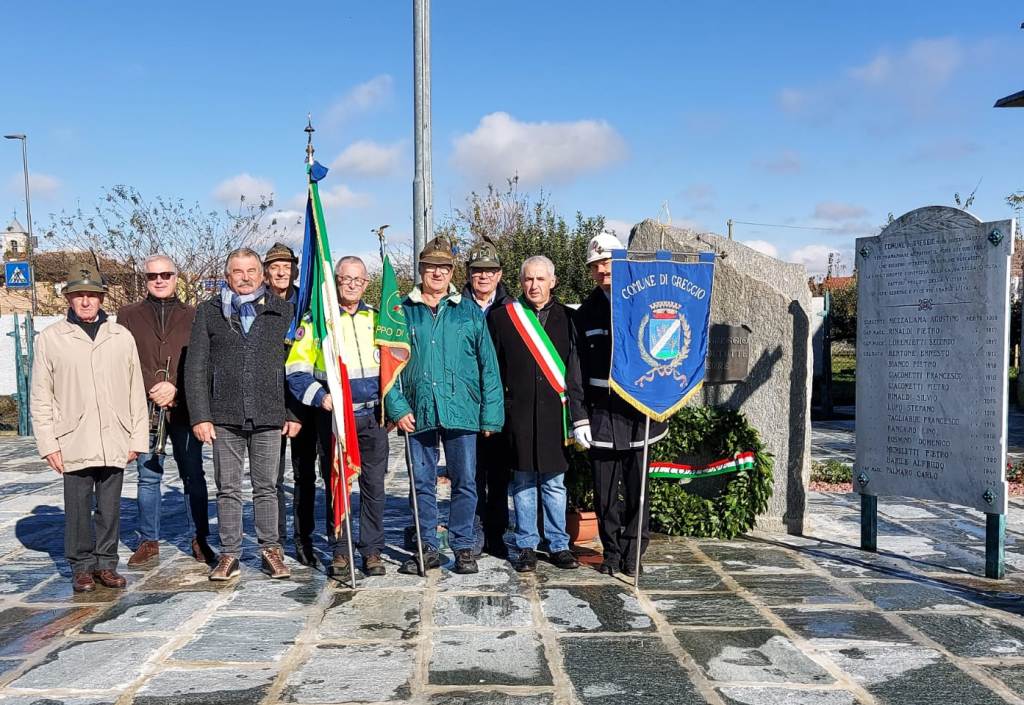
[615, 436]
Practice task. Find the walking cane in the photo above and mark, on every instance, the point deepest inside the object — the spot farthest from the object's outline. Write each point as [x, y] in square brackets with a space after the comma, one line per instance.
[348, 519]
[412, 493]
[643, 512]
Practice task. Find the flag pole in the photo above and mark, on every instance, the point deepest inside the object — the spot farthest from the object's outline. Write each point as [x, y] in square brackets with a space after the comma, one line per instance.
[642, 512]
[330, 296]
[408, 450]
[348, 519]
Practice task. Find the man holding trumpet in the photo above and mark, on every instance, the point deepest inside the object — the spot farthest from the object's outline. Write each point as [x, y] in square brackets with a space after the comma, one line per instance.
[161, 325]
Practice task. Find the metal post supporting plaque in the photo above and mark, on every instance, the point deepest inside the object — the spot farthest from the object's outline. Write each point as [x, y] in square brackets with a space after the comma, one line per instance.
[868, 522]
[995, 546]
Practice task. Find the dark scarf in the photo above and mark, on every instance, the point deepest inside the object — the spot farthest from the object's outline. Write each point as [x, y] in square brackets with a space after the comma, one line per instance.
[90, 328]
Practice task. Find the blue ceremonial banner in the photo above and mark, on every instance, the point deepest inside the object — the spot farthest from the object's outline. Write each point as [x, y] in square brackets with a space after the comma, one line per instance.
[660, 315]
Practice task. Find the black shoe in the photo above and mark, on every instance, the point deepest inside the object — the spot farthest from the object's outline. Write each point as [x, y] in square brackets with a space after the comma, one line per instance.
[526, 562]
[412, 565]
[304, 552]
[496, 548]
[609, 566]
[465, 563]
[629, 568]
[564, 560]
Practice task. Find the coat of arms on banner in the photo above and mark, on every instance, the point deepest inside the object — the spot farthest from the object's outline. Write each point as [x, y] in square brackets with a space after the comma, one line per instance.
[664, 342]
[660, 315]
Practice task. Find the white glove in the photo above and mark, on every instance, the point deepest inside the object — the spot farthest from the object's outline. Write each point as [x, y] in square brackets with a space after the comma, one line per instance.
[581, 434]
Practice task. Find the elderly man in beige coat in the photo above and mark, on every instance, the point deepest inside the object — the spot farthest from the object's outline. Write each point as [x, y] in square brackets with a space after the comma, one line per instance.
[90, 419]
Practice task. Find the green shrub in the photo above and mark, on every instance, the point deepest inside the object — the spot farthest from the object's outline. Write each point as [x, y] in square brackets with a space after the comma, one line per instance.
[831, 472]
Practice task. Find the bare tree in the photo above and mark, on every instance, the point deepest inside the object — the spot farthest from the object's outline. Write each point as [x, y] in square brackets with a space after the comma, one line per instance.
[124, 228]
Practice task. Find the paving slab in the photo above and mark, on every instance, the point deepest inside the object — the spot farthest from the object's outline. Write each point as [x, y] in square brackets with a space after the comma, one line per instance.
[211, 686]
[755, 655]
[372, 614]
[150, 612]
[239, 638]
[488, 658]
[105, 664]
[24, 631]
[626, 671]
[58, 589]
[792, 590]
[352, 673]
[892, 596]
[464, 697]
[671, 550]
[841, 624]
[494, 576]
[971, 636]
[745, 557]
[276, 595]
[17, 578]
[594, 608]
[495, 611]
[1012, 676]
[707, 610]
[683, 577]
[586, 574]
[758, 695]
[58, 700]
[183, 574]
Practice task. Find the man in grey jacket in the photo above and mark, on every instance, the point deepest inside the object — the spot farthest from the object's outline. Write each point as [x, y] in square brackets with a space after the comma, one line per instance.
[234, 376]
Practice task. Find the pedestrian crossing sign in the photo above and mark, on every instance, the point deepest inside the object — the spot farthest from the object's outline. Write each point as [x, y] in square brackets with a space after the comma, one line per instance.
[17, 275]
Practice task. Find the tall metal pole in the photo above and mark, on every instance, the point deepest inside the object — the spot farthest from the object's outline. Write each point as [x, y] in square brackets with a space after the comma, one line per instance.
[422, 202]
[28, 214]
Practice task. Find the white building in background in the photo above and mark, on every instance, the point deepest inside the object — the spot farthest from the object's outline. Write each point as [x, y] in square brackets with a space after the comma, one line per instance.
[15, 240]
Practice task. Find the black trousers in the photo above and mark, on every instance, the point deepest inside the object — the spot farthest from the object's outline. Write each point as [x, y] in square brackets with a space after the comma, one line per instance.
[373, 451]
[617, 476]
[492, 478]
[85, 550]
[304, 455]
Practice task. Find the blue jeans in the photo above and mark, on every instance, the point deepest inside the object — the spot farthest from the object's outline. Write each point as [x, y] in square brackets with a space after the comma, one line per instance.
[188, 454]
[553, 497]
[460, 456]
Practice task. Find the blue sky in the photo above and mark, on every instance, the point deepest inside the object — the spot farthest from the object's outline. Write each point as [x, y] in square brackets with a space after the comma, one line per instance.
[812, 114]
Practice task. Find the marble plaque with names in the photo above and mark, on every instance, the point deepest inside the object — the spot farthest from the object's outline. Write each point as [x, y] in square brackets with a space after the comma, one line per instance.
[932, 339]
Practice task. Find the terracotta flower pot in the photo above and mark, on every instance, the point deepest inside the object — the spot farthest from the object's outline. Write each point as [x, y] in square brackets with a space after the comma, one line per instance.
[581, 526]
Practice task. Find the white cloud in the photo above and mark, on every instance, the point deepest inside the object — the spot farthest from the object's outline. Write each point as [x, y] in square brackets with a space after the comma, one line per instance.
[762, 246]
[619, 228]
[230, 191]
[341, 196]
[40, 185]
[834, 210]
[362, 98]
[929, 61]
[368, 158]
[814, 258]
[501, 147]
[786, 162]
[283, 226]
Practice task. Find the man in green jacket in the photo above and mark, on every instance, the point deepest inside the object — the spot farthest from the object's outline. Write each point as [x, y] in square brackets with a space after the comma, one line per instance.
[452, 392]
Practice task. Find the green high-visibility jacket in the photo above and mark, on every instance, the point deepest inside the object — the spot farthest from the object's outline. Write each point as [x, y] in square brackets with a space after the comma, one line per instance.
[452, 380]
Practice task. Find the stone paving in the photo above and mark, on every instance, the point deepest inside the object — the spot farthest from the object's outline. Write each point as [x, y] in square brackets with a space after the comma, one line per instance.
[763, 620]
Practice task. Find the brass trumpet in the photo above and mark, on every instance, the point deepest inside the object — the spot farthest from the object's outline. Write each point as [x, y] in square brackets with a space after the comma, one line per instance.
[158, 419]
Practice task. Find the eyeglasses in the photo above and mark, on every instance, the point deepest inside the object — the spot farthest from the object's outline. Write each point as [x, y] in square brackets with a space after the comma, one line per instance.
[153, 276]
[442, 268]
[345, 281]
[482, 272]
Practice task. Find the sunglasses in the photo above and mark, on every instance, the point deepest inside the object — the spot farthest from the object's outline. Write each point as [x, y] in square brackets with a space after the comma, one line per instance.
[153, 276]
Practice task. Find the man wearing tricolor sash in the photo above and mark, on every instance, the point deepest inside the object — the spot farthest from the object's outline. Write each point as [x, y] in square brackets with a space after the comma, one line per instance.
[535, 341]
[616, 428]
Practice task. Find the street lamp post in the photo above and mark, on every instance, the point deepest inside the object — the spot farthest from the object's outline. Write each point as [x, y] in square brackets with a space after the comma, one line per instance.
[28, 214]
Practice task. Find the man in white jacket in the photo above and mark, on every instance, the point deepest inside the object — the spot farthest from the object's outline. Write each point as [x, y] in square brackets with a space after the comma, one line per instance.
[90, 419]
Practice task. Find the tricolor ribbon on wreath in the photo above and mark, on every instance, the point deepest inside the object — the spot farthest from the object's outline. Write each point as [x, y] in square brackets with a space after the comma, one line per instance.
[680, 471]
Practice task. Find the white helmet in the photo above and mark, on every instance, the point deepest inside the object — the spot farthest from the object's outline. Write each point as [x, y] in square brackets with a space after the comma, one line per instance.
[601, 247]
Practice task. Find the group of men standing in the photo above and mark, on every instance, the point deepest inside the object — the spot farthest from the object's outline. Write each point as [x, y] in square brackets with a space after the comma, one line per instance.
[505, 385]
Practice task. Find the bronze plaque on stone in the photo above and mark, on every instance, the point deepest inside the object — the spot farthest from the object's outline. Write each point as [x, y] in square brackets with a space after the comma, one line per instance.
[728, 354]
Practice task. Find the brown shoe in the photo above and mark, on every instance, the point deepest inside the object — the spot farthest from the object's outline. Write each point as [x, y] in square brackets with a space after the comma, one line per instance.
[226, 568]
[273, 563]
[109, 578]
[202, 552]
[373, 565]
[147, 551]
[83, 582]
